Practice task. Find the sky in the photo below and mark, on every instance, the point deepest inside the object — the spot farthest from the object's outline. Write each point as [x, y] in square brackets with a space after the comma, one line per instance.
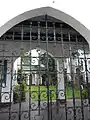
[79, 9]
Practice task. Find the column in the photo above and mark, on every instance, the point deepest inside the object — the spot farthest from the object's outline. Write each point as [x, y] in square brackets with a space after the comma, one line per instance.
[60, 79]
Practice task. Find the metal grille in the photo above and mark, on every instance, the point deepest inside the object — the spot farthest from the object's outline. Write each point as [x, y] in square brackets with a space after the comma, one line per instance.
[44, 72]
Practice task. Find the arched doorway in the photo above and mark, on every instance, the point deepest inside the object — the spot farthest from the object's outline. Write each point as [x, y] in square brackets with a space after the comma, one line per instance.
[69, 97]
[37, 75]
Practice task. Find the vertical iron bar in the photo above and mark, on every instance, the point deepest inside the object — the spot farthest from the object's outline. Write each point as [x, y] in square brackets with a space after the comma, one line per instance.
[0, 81]
[11, 82]
[86, 71]
[54, 32]
[13, 35]
[65, 78]
[21, 72]
[39, 68]
[51, 103]
[82, 110]
[38, 34]
[47, 71]
[39, 89]
[30, 71]
[63, 56]
[57, 108]
[2, 71]
[72, 80]
[11, 87]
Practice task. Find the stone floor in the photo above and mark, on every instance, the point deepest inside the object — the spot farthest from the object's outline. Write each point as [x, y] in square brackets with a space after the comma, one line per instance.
[56, 111]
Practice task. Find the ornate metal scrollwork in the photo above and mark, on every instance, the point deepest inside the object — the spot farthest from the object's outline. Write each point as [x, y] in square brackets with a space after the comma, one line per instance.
[55, 88]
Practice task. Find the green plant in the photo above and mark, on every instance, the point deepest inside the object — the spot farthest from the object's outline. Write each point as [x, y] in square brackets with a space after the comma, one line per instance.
[85, 94]
[19, 92]
[20, 75]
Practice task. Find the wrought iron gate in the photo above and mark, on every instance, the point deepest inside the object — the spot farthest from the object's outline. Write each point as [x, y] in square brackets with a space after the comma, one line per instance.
[51, 83]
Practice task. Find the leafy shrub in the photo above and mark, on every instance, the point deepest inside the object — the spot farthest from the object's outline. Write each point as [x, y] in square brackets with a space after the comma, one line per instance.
[19, 92]
[85, 93]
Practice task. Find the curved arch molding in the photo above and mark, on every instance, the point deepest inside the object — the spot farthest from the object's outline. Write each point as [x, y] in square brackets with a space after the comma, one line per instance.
[51, 12]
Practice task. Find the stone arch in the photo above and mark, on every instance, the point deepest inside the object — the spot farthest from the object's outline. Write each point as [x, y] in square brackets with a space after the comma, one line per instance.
[17, 61]
[51, 12]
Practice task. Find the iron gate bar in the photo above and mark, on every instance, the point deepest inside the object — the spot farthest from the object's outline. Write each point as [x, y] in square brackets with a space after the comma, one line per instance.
[30, 71]
[57, 109]
[71, 73]
[1, 72]
[65, 77]
[82, 110]
[51, 103]
[39, 90]
[13, 35]
[47, 72]
[21, 73]
[11, 72]
[38, 50]
[63, 69]
[54, 32]
[38, 34]
[86, 72]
